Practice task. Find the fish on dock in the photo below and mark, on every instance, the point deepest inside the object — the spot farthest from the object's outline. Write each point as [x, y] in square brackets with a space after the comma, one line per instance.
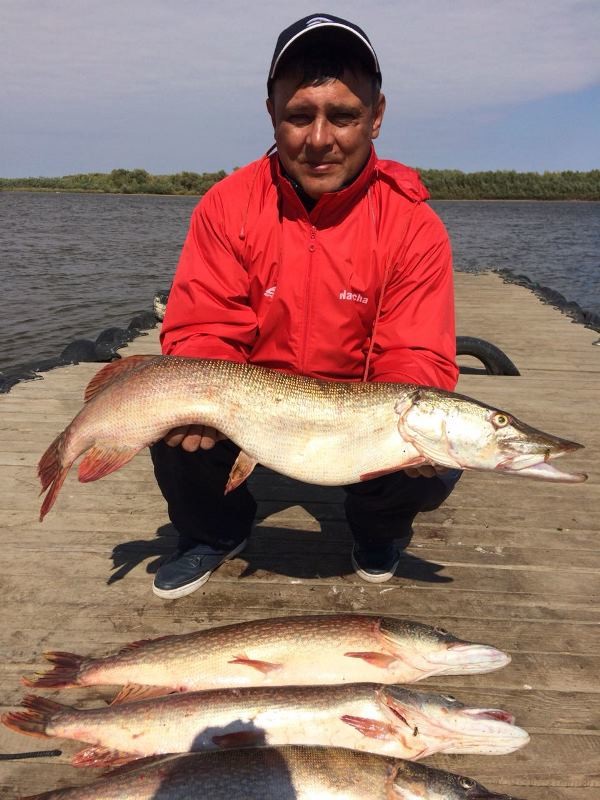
[316, 431]
[285, 773]
[375, 718]
[297, 650]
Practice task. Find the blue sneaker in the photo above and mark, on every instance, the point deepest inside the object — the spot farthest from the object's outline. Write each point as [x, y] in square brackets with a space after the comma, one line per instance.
[187, 570]
[375, 564]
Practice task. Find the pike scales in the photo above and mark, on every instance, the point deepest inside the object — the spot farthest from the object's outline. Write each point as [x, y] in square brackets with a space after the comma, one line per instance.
[389, 720]
[294, 650]
[322, 432]
[282, 773]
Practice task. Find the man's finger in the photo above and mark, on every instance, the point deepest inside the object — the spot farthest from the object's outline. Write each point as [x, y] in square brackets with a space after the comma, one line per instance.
[176, 436]
[209, 438]
[193, 440]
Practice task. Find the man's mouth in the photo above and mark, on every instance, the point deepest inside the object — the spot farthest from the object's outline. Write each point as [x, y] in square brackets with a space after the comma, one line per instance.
[320, 166]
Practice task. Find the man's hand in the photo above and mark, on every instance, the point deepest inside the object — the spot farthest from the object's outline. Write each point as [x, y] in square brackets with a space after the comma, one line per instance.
[194, 437]
[425, 471]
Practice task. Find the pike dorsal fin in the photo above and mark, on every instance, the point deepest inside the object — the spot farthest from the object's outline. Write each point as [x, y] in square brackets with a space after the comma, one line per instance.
[114, 370]
[143, 642]
[135, 691]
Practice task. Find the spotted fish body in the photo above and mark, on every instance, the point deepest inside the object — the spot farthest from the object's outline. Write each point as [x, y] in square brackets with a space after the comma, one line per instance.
[297, 650]
[322, 432]
[285, 773]
[389, 720]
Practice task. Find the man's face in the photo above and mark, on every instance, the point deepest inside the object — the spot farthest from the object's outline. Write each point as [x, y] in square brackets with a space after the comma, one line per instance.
[323, 133]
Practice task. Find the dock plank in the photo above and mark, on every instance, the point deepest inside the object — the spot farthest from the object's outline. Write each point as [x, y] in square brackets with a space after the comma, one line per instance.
[508, 561]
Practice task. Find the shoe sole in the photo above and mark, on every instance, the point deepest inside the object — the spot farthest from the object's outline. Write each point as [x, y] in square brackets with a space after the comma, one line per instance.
[182, 591]
[369, 577]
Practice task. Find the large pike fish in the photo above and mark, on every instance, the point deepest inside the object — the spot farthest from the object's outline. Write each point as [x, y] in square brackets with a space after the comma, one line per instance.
[284, 773]
[323, 432]
[303, 650]
[388, 720]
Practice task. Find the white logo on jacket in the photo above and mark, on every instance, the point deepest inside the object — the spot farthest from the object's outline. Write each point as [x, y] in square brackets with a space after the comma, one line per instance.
[357, 298]
[270, 292]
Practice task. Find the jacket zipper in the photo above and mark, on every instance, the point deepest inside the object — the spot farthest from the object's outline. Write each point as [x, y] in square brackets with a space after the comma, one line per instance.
[308, 297]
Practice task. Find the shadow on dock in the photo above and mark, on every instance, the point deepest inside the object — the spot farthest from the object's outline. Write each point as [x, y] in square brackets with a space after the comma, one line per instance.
[280, 548]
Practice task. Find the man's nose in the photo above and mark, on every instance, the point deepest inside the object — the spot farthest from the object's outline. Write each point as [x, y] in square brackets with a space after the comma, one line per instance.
[320, 134]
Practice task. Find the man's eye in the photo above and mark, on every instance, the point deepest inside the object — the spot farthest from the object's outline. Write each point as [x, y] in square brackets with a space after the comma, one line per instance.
[343, 119]
[298, 119]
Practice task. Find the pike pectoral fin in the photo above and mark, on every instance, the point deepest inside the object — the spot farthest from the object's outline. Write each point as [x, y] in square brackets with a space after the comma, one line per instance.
[241, 470]
[101, 757]
[370, 728]
[262, 666]
[134, 691]
[240, 739]
[381, 660]
[413, 462]
[100, 461]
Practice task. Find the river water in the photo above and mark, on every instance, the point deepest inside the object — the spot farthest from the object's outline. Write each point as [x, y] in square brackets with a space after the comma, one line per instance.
[72, 264]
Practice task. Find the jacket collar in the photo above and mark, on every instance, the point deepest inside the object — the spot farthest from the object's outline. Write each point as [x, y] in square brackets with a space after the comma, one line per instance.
[329, 205]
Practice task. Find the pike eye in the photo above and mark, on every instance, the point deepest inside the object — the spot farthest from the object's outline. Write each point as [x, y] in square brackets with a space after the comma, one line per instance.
[441, 631]
[449, 698]
[466, 783]
[500, 420]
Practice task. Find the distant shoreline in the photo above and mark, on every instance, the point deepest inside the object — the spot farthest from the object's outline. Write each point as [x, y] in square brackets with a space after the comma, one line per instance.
[500, 185]
[25, 190]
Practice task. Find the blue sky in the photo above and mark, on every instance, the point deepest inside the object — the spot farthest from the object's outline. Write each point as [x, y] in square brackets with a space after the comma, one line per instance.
[169, 85]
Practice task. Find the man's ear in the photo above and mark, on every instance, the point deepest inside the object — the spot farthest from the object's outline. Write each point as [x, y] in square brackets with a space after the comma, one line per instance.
[378, 116]
[271, 110]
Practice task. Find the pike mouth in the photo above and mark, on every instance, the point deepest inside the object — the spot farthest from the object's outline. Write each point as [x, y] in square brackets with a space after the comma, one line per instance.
[489, 731]
[538, 465]
[460, 659]
[493, 732]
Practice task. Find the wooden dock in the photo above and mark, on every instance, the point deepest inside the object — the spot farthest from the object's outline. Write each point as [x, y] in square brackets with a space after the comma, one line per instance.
[511, 562]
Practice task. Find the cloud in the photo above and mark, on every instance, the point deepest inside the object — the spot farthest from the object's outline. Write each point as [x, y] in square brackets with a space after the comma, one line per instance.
[154, 70]
[434, 54]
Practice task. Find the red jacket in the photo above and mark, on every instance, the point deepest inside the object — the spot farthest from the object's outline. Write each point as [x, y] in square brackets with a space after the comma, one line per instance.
[262, 280]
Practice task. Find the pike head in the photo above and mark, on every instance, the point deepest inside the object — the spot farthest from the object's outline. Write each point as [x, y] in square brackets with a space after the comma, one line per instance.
[456, 431]
[440, 723]
[413, 781]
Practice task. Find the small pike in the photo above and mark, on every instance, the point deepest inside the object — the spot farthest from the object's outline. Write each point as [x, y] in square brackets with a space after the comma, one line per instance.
[304, 650]
[285, 773]
[322, 432]
[388, 720]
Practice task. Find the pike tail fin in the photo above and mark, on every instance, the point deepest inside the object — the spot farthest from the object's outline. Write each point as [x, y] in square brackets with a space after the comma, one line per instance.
[52, 473]
[64, 674]
[34, 720]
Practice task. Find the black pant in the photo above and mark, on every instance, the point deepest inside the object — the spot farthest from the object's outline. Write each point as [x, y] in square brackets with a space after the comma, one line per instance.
[378, 511]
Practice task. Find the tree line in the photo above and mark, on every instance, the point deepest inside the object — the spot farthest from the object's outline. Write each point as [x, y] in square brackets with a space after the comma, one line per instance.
[121, 181]
[452, 184]
[443, 184]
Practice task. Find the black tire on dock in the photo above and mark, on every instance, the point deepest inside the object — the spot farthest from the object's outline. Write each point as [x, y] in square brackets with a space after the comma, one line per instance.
[495, 361]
